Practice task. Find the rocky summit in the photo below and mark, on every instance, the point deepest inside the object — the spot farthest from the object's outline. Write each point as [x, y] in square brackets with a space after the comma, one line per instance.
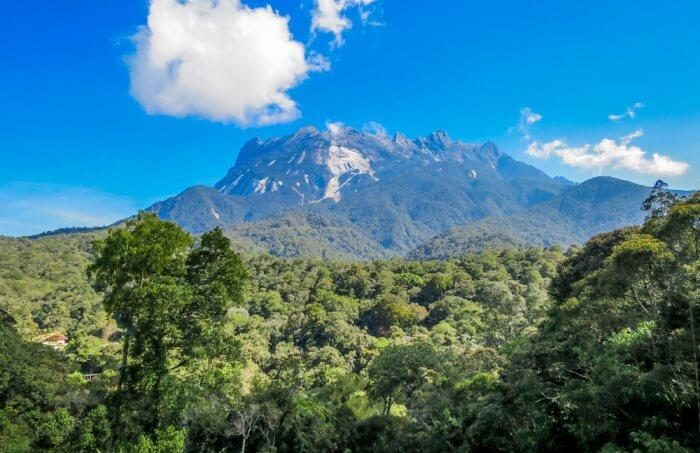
[312, 166]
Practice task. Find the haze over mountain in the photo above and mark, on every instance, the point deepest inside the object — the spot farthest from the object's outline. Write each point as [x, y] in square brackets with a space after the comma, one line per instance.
[353, 194]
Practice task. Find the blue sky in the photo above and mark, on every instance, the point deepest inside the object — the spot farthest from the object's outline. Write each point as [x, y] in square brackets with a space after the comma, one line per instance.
[90, 130]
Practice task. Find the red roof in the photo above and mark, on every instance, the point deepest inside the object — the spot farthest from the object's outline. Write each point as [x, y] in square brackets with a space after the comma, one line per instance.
[55, 337]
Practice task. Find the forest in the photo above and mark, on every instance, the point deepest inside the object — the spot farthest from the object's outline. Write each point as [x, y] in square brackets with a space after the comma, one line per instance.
[183, 343]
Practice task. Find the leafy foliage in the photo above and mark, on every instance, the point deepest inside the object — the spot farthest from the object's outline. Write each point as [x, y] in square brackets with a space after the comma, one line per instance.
[525, 349]
[43, 285]
[171, 298]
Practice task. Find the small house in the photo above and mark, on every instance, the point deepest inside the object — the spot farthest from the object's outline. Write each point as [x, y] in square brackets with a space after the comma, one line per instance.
[55, 339]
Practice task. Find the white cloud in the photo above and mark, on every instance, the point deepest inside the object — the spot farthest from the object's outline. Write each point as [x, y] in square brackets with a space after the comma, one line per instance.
[28, 208]
[610, 153]
[544, 150]
[219, 60]
[335, 127]
[375, 128]
[631, 112]
[528, 117]
[627, 139]
[318, 62]
[328, 16]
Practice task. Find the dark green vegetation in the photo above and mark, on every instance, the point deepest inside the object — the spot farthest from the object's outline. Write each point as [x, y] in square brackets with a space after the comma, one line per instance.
[305, 235]
[577, 214]
[44, 286]
[529, 349]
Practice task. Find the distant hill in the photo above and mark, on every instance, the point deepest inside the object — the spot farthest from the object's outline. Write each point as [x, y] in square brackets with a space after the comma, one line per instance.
[62, 231]
[580, 212]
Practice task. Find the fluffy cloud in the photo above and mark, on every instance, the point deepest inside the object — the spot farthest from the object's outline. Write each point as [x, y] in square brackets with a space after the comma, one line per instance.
[327, 16]
[544, 150]
[615, 154]
[528, 117]
[631, 112]
[219, 60]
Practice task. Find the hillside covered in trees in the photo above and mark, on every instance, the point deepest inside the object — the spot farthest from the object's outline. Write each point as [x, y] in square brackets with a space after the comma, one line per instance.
[180, 343]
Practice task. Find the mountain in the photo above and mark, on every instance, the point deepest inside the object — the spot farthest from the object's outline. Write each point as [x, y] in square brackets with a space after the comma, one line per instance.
[578, 213]
[345, 193]
[392, 192]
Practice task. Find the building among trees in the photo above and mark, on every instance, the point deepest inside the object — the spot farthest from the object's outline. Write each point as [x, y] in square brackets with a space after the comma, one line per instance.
[55, 340]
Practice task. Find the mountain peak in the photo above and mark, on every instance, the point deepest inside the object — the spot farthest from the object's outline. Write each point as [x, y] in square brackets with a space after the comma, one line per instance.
[400, 139]
[489, 145]
[490, 150]
[435, 142]
[249, 150]
[306, 131]
[310, 166]
[438, 140]
[564, 180]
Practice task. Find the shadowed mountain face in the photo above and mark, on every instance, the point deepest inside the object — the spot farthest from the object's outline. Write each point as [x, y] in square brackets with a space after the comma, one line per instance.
[581, 211]
[344, 192]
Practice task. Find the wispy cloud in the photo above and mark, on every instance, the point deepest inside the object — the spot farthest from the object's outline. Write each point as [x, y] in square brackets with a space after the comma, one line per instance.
[220, 60]
[528, 117]
[329, 16]
[375, 128]
[631, 112]
[609, 153]
[28, 208]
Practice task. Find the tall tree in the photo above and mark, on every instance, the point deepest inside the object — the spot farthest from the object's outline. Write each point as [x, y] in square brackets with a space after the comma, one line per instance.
[170, 296]
[399, 371]
[659, 200]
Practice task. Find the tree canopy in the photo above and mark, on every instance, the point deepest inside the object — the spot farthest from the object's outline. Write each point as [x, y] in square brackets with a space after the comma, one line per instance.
[513, 349]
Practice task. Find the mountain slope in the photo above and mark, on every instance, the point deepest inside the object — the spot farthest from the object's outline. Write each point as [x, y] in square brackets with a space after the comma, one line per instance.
[580, 212]
[200, 208]
[306, 234]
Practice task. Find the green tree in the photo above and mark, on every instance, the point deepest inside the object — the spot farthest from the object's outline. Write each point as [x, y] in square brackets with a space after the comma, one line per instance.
[170, 296]
[94, 431]
[436, 286]
[399, 371]
[659, 200]
[166, 440]
[392, 310]
[616, 365]
[53, 429]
